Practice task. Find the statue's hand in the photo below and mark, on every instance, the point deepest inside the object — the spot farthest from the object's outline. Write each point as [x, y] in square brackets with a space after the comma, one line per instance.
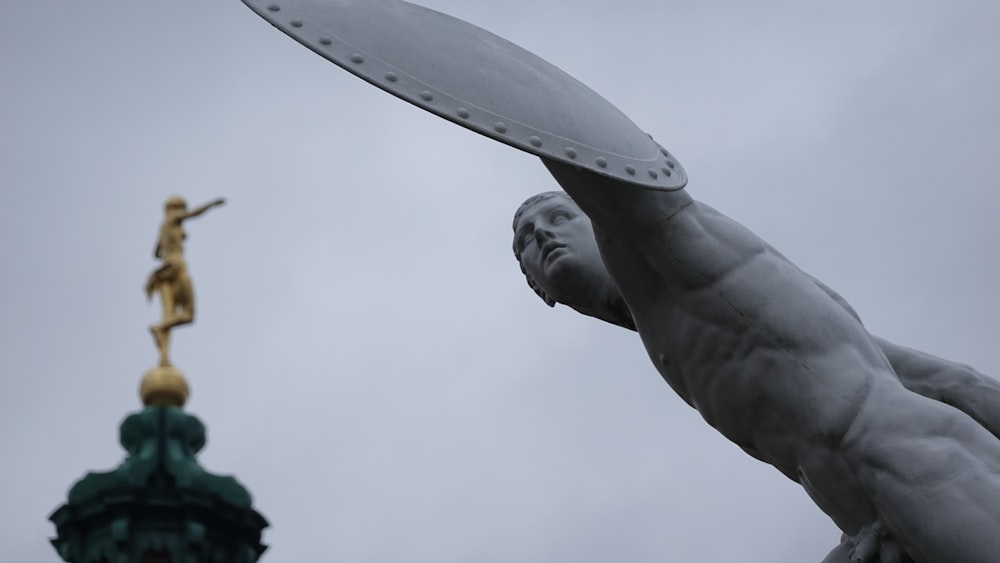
[873, 544]
[218, 201]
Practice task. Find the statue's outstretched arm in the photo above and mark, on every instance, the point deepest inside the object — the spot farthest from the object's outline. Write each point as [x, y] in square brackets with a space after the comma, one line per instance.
[952, 383]
[199, 210]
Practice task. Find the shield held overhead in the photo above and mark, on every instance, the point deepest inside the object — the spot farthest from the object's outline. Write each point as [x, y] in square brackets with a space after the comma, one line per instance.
[478, 80]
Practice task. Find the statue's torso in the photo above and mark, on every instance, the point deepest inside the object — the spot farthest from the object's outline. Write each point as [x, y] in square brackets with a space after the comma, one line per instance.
[766, 356]
[172, 237]
[784, 369]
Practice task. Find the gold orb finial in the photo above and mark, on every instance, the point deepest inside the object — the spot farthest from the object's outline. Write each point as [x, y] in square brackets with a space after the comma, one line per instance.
[164, 386]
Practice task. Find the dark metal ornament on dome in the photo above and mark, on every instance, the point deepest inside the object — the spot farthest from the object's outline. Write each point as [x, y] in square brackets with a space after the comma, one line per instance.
[478, 80]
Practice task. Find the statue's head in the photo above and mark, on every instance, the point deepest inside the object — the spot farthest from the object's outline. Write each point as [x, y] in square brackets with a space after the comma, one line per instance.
[554, 244]
[175, 203]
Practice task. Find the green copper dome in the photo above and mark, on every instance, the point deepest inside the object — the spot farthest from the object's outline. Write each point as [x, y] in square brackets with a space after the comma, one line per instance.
[159, 502]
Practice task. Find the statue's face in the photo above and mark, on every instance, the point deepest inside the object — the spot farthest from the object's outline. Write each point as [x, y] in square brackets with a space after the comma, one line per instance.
[555, 242]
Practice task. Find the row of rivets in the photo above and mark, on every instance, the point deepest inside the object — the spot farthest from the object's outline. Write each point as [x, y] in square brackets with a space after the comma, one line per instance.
[571, 153]
[499, 126]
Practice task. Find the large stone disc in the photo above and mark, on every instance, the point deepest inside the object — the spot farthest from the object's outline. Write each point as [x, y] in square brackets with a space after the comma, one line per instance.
[478, 80]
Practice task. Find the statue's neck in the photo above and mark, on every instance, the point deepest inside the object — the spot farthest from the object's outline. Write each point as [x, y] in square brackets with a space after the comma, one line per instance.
[612, 310]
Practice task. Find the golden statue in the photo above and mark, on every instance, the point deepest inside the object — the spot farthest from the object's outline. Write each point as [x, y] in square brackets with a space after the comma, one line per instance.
[171, 279]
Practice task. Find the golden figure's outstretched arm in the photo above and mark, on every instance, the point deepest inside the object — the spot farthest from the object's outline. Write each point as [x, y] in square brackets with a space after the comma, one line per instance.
[199, 210]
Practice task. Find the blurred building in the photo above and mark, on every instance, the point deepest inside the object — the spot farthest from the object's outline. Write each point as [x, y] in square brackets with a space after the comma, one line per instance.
[159, 505]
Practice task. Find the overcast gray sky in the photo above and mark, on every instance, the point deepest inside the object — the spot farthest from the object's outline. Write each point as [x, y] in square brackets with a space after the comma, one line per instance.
[367, 356]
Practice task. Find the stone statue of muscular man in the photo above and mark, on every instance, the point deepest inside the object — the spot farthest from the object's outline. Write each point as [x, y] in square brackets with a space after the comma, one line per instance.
[775, 361]
[554, 242]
